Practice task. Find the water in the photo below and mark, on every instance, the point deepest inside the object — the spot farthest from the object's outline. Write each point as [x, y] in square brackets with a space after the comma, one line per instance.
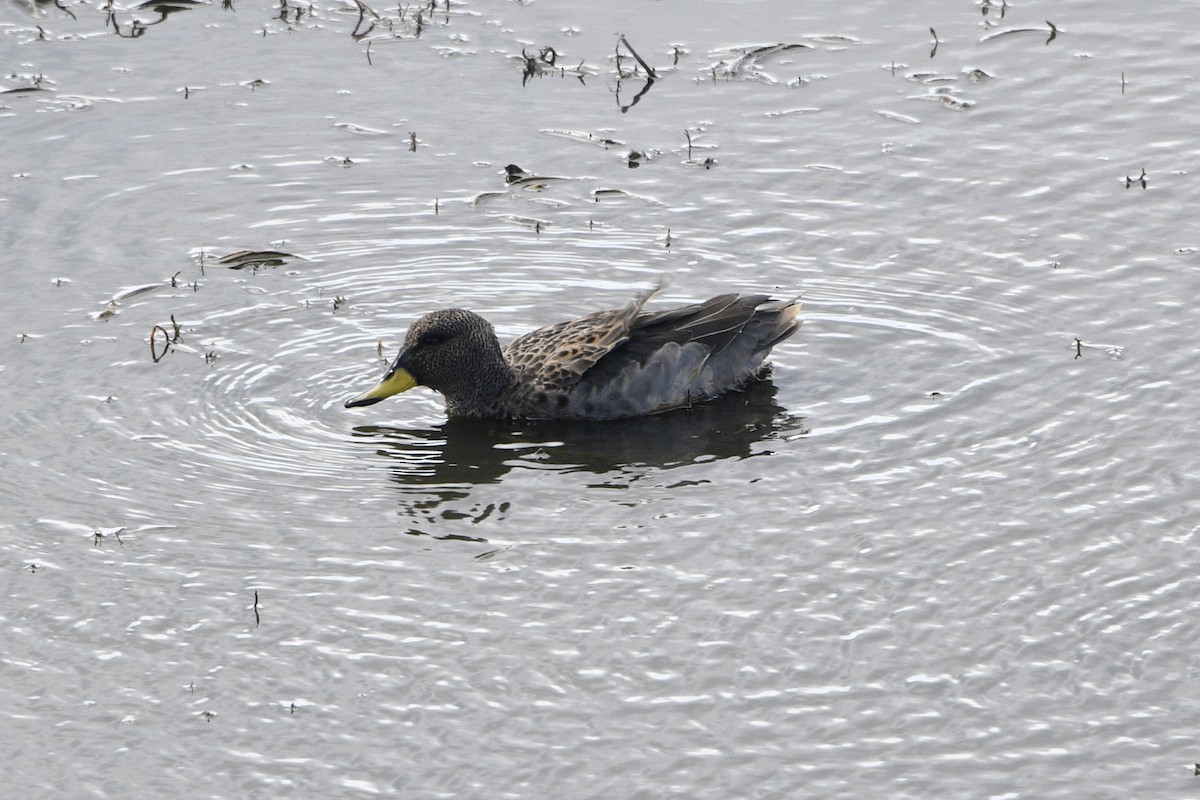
[944, 551]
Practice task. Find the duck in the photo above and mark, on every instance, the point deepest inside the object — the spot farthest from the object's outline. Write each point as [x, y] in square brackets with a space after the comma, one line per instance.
[612, 364]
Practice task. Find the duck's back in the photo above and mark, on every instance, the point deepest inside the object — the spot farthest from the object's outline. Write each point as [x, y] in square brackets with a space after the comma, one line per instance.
[625, 362]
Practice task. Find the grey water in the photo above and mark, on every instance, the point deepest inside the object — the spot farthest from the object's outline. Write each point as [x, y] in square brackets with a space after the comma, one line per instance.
[945, 550]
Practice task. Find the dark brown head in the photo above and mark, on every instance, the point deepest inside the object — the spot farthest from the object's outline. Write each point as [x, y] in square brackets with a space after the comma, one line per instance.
[446, 350]
[453, 351]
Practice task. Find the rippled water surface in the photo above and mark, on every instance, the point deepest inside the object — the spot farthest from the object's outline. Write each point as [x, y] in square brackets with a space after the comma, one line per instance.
[944, 551]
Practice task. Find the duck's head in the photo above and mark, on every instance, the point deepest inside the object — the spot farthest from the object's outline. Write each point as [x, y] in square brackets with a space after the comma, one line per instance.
[453, 351]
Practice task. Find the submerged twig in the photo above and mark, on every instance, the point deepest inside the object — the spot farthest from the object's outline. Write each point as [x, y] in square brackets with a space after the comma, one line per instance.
[154, 354]
[636, 98]
[363, 10]
[988, 5]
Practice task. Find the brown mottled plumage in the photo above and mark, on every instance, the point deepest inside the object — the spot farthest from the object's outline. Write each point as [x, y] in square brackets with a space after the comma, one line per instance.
[606, 365]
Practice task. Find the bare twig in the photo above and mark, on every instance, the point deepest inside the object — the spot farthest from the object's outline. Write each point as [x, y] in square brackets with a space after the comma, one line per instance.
[649, 69]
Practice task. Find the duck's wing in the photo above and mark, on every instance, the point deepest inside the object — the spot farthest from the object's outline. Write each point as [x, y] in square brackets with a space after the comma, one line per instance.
[730, 334]
[554, 358]
[674, 358]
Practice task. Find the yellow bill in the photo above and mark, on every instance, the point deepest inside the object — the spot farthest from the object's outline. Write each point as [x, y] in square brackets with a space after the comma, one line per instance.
[396, 381]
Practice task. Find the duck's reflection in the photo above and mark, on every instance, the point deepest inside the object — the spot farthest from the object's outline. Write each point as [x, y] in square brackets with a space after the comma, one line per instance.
[442, 473]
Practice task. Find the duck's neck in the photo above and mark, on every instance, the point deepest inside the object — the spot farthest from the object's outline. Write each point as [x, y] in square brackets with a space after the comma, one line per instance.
[483, 393]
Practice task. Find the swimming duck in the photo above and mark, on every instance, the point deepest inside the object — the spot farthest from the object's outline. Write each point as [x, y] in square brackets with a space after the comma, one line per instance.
[623, 362]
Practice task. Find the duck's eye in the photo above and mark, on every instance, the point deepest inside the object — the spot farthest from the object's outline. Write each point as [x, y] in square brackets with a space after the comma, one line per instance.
[432, 339]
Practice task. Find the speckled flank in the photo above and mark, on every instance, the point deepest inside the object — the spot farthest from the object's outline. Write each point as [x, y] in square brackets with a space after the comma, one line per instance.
[617, 363]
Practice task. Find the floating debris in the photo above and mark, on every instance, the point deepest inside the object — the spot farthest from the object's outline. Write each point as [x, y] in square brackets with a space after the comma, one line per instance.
[361, 130]
[1013, 32]
[20, 90]
[746, 61]
[169, 6]
[544, 63]
[516, 177]
[612, 194]
[483, 197]
[585, 138]
[892, 115]
[787, 112]
[946, 97]
[1113, 351]
[1129, 182]
[126, 294]
[254, 258]
[834, 39]
[107, 312]
[100, 534]
[490, 554]
[955, 103]
[528, 222]
[113, 303]
[926, 77]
